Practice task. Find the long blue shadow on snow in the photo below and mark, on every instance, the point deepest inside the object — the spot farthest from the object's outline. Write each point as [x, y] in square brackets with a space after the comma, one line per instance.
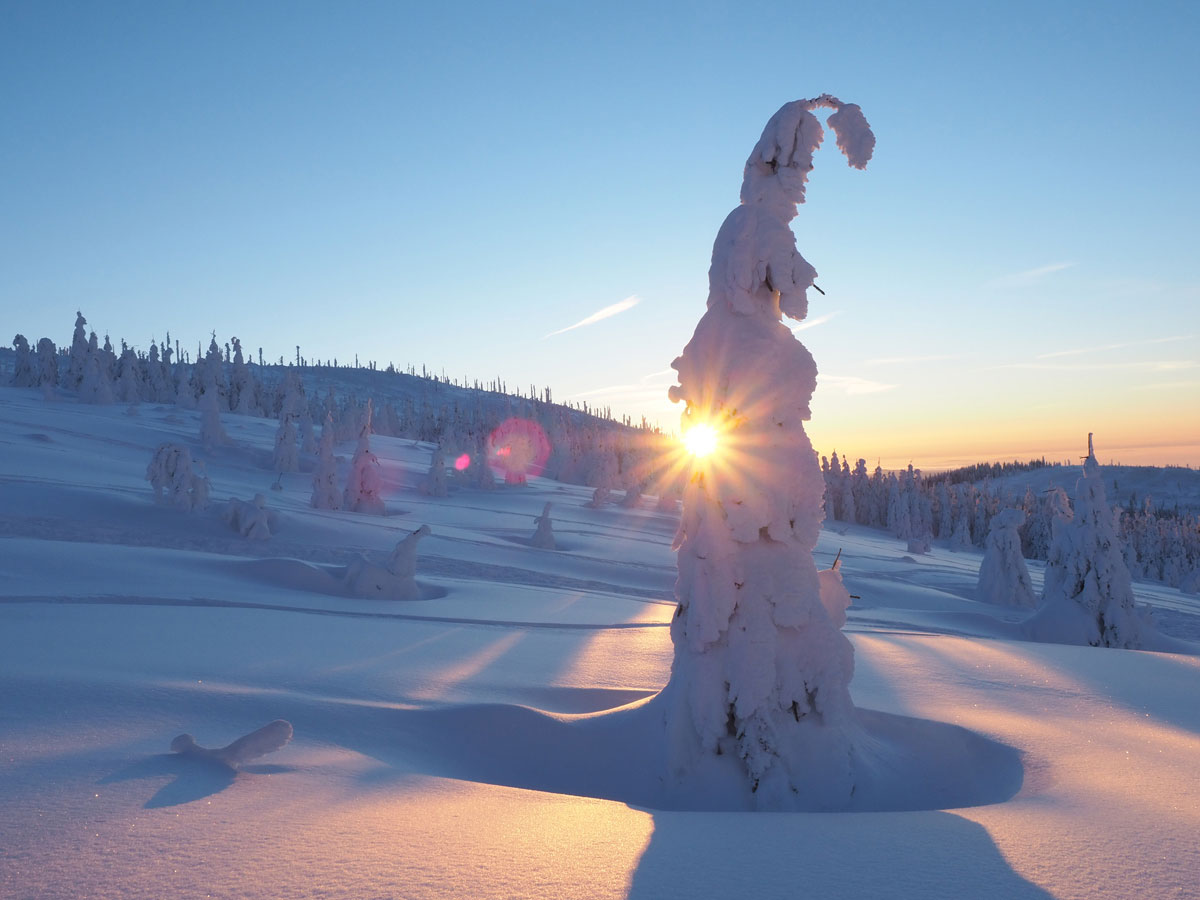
[897, 855]
[192, 779]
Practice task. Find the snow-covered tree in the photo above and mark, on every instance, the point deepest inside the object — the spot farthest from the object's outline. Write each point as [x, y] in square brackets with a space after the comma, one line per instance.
[1003, 576]
[212, 432]
[761, 672]
[96, 386]
[364, 484]
[543, 536]
[1088, 594]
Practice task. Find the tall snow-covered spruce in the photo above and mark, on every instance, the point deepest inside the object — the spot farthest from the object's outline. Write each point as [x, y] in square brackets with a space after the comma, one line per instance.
[1088, 592]
[761, 675]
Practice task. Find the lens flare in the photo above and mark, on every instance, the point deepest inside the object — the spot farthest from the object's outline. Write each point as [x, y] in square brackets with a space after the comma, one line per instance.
[700, 440]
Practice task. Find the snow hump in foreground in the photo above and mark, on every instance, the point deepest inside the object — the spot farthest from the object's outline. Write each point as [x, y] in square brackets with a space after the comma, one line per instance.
[761, 673]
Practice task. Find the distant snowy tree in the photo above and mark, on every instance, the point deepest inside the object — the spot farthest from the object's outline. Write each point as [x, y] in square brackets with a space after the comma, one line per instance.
[130, 387]
[761, 671]
[434, 482]
[286, 457]
[364, 484]
[175, 482]
[1003, 577]
[325, 493]
[212, 432]
[1088, 594]
[543, 536]
[23, 374]
[77, 360]
[96, 386]
[47, 365]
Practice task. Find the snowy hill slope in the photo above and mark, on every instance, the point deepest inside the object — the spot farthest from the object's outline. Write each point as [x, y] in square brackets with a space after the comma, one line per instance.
[424, 761]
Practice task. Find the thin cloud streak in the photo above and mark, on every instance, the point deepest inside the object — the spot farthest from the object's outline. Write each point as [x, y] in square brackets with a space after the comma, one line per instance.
[1029, 276]
[600, 315]
[812, 323]
[894, 360]
[1161, 365]
[1106, 347]
[852, 384]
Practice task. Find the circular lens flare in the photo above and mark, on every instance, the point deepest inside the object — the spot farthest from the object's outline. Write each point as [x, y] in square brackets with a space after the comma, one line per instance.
[700, 440]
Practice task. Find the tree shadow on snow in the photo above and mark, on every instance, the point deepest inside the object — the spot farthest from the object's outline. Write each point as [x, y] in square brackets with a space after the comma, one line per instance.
[192, 778]
[905, 764]
[913, 854]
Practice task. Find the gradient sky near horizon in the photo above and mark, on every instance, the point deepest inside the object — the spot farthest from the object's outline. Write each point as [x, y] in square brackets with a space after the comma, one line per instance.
[530, 191]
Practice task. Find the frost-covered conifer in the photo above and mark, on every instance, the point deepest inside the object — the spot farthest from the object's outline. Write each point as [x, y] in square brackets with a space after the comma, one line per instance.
[23, 375]
[761, 672]
[364, 483]
[1003, 577]
[543, 536]
[243, 391]
[325, 494]
[1088, 594]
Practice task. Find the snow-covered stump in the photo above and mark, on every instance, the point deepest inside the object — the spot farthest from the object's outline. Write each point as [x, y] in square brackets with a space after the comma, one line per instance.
[1003, 576]
[761, 672]
[1088, 593]
[543, 536]
[395, 581]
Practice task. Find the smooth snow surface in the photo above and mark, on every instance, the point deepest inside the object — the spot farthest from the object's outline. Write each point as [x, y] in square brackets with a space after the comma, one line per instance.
[440, 744]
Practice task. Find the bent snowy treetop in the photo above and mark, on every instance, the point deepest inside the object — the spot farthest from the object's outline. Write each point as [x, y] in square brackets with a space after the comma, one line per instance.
[761, 669]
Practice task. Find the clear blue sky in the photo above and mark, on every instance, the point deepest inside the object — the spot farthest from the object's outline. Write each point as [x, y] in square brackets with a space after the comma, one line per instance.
[447, 184]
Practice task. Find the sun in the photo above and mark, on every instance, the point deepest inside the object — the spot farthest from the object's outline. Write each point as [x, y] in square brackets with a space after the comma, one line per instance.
[700, 440]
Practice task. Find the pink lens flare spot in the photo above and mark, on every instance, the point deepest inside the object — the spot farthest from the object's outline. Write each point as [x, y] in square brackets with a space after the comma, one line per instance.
[463, 462]
[518, 448]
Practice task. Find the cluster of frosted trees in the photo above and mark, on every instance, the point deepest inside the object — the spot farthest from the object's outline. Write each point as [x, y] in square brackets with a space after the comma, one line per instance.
[1159, 545]
[583, 448]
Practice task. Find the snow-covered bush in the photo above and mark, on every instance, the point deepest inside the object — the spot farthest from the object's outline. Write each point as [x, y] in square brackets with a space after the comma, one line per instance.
[1003, 576]
[761, 672]
[250, 520]
[175, 483]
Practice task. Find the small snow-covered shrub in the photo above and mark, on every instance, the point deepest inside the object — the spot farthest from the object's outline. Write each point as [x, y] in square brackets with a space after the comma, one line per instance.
[175, 483]
[250, 520]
